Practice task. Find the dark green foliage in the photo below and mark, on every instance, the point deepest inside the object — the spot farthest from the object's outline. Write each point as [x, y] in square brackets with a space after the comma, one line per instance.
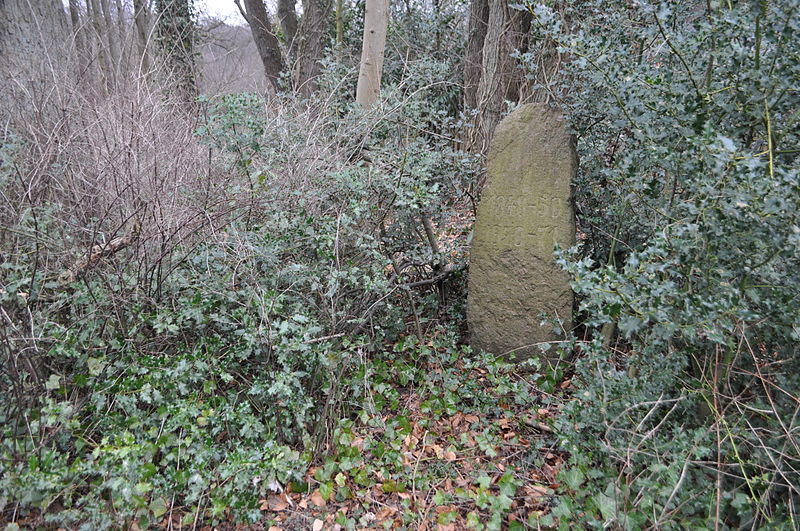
[688, 197]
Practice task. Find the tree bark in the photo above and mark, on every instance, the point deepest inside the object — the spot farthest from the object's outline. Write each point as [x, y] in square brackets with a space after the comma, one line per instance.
[339, 23]
[176, 38]
[287, 18]
[140, 20]
[110, 40]
[266, 42]
[78, 33]
[376, 23]
[311, 43]
[473, 54]
[506, 31]
[102, 52]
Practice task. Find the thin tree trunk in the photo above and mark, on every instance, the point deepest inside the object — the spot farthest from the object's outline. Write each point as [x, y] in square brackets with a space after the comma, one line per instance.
[287, 18]
[79, 36]
[111, 39]
[93, 10]
[140, 20]
[122, 36]
[266, 42]
[376, 23]
[339, 23]
[311, 43]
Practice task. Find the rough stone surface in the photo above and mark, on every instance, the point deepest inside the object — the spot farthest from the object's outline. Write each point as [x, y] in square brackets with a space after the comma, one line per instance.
[526, 208]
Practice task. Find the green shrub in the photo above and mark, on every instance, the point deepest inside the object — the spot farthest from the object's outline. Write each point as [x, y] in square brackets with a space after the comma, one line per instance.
[688, 197]
[190, 374]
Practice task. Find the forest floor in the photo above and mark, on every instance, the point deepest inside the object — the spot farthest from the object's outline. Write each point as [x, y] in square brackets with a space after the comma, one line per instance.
[449, 441]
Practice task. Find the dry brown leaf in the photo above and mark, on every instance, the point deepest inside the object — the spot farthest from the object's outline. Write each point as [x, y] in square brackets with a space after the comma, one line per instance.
[471, 418]
[385, 513]
[317, 525]
[303, 504]
[317, 499]
[274, 528]
[450, 455]
[536, 491]
[274, 503]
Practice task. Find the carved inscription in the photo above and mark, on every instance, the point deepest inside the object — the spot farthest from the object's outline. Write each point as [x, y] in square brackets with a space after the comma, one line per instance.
[525, 210]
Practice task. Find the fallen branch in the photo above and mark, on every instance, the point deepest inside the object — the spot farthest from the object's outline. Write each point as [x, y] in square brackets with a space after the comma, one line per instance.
[448, 270]
[99, 252]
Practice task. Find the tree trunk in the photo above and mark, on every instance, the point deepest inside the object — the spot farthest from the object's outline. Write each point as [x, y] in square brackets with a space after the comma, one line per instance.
[266, 42]
[506, 32]
[287, 18]
[339, 23]
[79, 35]
[93, 11]
[311, 43]
[110, 40]
[140, 20]
[473, 54]
[176, 38]
[376, 22]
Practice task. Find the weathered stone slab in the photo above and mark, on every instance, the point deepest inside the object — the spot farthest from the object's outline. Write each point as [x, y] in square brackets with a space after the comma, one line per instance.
[526, 208]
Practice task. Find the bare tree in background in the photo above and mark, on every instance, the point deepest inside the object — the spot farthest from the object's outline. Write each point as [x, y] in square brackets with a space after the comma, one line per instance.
[311, 40]
[267, 44]
[376, 23]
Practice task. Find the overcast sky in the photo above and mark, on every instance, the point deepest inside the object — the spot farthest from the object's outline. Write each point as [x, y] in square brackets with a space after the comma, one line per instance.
[223, 9]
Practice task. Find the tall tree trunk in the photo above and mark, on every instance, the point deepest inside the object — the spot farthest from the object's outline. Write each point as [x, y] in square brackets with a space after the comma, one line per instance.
[140, 20]
[287, 18]
[376, 22]
[79, 36]
[176, 38]
[266, 42]
[339, 23]
[506, 31]
[111, 39]
[125, 44]
[101, 50]
[473, 54]
[311, 37]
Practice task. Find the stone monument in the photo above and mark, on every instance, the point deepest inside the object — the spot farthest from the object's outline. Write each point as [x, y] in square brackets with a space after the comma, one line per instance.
[526, 208]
